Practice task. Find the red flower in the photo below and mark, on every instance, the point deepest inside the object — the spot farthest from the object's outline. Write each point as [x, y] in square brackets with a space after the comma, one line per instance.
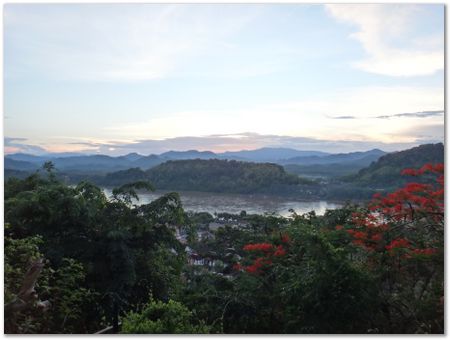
[255, 268]
[258, 246]
[427, 167]
[339, 227]
[252, 269]
[398, 243]
[377, 237]
[280, 251]
[438, 193]
[426, 251]
[416, 187]
[360, 234]
[439, 167]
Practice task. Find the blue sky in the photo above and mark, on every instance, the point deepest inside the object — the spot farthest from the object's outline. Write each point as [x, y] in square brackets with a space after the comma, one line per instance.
[151, 78]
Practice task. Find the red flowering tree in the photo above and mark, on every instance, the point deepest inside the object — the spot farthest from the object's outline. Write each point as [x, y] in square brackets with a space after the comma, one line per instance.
[409, 220]
[262, 255]
[401, 238]
[380, 271]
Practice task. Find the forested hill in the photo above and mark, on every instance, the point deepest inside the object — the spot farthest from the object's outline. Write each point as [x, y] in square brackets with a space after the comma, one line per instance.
[213, 175]
[386, 172]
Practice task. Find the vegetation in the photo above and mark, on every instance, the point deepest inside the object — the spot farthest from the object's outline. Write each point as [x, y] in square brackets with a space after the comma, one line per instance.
[223, 176]
[325, 170]
[385, 173]
[158, 317]
[377, 268]
[100, 255]
[215, 175]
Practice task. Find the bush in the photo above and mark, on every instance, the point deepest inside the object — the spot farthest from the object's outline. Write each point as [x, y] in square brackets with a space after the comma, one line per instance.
[158, 317]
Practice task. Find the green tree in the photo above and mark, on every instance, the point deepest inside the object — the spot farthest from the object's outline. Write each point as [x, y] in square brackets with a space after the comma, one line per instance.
[158, 317]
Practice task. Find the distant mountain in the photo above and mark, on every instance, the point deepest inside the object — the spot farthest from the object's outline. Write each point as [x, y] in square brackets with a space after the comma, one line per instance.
[91, 163]
[146, 162]
[190, 154]
[386, 172]
[364, 158]
[20, 165]
[84, 163]
[336, 165]
[132, 156]
[27, 157]
[274, 155]
[105, 164]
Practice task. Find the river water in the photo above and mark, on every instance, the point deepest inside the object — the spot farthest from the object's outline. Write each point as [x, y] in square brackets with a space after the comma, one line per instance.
[235, 203]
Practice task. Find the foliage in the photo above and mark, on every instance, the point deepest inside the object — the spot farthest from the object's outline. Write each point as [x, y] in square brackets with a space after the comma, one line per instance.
[370, 269]
[214, 175]
[158, 317]
[127, 192]
[99, 252]
[385, 173]
[402, 239]
[376, 268]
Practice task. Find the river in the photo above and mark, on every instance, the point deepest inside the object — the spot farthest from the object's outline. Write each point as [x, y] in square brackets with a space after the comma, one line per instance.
[235, 203]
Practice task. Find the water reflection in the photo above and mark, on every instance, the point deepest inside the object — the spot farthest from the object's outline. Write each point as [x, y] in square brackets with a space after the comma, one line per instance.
[235, 203]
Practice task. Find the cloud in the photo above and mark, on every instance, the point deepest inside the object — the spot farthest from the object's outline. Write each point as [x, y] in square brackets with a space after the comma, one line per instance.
[343, 117]
[416, 135]
[387, 34]
[9, 140]
[425, 133]
[15, 144]
[244, 141]
[421, 114]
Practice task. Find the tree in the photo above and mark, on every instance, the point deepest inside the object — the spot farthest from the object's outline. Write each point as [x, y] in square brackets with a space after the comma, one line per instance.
[158, 317]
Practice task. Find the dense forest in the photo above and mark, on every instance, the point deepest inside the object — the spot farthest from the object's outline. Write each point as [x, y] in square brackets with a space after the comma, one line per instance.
[77, 261]
[214, 176]
[386, 172]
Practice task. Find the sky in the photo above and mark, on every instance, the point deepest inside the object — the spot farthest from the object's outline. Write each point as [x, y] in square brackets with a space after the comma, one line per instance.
[148, 78]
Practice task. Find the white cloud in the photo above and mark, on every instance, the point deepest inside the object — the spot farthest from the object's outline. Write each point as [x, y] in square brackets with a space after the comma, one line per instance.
[386, 32]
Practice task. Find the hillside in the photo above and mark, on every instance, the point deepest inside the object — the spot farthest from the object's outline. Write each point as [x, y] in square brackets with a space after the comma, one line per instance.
[274, 155]
[366, 157]
[334, 165]
[214, 175]
[386, 172]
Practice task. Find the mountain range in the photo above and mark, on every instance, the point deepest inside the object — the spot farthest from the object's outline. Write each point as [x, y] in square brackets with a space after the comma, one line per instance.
[354, 175]
[104, 163]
